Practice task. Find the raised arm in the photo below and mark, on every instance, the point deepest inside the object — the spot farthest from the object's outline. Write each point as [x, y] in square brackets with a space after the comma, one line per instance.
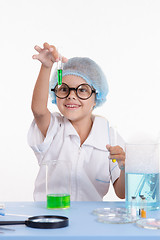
[47, 56]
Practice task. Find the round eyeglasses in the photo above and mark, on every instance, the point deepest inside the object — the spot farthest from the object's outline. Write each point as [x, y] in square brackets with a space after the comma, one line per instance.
[83, 91]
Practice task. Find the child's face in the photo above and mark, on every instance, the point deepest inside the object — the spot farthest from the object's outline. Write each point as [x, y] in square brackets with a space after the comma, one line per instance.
[72, 107]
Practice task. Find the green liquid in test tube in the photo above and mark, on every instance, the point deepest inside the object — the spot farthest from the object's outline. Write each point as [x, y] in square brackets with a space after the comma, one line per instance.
[59, 69]
[59, 73]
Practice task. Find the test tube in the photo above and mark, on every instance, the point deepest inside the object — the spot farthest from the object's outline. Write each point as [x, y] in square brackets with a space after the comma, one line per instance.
[115, 141]
[59, 69]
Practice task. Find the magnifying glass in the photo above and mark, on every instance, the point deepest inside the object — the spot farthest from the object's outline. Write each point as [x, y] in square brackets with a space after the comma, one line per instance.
[43, 222]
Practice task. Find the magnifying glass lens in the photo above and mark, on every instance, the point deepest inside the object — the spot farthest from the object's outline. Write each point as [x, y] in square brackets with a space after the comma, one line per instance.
[47, 220]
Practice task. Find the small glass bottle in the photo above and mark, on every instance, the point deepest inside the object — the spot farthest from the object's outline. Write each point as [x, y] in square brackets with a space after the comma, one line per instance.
[134, 207]
[140, 204]
[143, 209]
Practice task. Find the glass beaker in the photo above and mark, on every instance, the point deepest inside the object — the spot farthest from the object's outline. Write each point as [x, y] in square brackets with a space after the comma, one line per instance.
[58, 184]
[142, 175]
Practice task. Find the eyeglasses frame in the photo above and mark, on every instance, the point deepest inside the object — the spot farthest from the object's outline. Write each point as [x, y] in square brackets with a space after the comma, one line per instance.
[74, 89]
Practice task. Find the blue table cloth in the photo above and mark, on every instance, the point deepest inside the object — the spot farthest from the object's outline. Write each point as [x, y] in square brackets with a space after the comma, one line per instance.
[82, 223]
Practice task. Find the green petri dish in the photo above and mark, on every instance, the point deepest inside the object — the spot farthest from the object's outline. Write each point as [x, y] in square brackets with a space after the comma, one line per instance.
[58, 201]
[59, 73]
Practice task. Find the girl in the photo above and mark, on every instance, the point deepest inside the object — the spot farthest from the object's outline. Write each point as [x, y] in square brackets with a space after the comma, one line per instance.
[75, 135]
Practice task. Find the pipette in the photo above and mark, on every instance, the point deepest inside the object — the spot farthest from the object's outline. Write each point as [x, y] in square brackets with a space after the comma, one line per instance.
[59, 69]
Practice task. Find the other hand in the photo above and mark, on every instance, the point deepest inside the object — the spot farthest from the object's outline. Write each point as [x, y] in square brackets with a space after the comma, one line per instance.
[116, 152]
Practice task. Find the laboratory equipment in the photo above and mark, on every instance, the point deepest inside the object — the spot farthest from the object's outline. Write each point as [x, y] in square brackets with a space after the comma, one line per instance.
[43, 222]
[109, 211]
[113, 138]
[149, 223]
[116, 219]
[142, 174]
[143, 208]
[134, 207]
[58, 184]
[59, 69]
[59, 200]
[115, 141]
[113, 215]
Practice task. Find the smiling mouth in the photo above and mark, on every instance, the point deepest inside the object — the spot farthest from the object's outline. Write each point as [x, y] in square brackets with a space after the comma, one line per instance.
[72, 106]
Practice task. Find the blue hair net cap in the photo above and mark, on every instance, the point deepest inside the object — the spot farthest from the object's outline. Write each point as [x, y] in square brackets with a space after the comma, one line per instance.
[88, 70]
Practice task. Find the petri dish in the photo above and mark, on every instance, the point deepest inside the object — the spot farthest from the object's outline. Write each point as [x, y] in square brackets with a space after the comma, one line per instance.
[114, 215]
[109, 211]
[116, 219]
[149, 223]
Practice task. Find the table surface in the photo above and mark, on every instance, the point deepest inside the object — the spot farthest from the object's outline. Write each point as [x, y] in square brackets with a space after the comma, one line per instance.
[82, 223]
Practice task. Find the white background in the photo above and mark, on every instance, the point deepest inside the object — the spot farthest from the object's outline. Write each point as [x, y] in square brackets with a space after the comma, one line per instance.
[122, 36]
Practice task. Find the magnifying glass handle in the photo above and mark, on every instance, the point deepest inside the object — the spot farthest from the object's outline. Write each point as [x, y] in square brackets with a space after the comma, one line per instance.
[11, 222]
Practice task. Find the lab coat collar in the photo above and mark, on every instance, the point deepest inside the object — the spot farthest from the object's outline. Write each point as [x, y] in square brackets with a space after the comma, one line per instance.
[98, 136]
[69, 129]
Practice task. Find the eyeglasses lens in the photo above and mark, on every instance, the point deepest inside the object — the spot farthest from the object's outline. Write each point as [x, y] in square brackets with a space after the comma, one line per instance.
[61, 91]
[84, 91]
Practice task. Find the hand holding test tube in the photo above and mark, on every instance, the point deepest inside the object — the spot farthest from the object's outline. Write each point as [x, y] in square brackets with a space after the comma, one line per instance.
[113, 140]
[116, 152]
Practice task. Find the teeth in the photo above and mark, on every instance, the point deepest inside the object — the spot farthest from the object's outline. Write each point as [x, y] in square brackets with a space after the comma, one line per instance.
[71, 106]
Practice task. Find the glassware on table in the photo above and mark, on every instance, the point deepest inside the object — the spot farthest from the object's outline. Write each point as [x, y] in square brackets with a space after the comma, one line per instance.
[58, 184]
[142, 175]
[149, 223]
[109, 211]
[117, 219]
[113, 215]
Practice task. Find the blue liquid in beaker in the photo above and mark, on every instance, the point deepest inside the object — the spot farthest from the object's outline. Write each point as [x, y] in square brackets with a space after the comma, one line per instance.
[137, 184]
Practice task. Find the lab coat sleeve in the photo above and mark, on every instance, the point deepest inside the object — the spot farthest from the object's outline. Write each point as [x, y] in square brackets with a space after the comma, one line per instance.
[37, 141]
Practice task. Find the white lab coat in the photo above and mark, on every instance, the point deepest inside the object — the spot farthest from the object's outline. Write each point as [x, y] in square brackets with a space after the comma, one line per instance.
[90, 169]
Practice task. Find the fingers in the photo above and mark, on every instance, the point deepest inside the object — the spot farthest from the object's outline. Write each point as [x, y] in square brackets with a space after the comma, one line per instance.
[114, 149]
[116, 152]
[51, 49]
[35, 56]
[54, 53]
[64, 59]
[46, 45]
[38, 49]
[120, 157]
